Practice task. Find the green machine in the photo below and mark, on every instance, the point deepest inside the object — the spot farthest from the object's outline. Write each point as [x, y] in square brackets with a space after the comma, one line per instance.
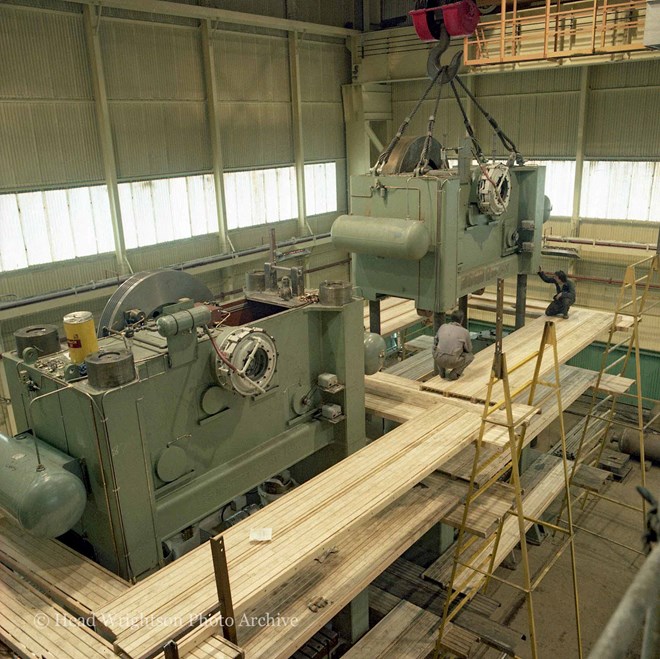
[185, 407]
[438, 236]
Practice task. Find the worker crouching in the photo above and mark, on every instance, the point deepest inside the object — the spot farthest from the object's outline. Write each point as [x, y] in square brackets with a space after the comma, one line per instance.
[565, 296]
[452, 348]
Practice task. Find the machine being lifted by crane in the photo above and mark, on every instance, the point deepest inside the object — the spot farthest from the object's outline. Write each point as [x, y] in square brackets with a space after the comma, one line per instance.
[422, 230]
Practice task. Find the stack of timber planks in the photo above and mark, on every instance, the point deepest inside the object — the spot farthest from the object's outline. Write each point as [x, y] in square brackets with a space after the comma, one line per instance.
[542, 482]
[306, 523]
[396, 315]
[573, 334]
[319, 517]
[33, 626]
[73, 581]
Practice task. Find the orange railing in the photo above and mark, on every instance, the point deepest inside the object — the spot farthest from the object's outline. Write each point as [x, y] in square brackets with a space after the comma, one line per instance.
[572, 30]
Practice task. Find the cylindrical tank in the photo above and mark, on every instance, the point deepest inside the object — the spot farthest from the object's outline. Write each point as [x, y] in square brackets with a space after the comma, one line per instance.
[80, 335]
[110, 368]
[183, 321]
[629, 443]
[45, 501]
[43, 338]
[374, 352]
[381, 236]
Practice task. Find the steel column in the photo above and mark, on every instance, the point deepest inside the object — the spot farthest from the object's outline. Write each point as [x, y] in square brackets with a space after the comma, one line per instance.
[374, 316]
[579, 151]
[296, 116]
[91, 22]
[214, 129]
[521, 299]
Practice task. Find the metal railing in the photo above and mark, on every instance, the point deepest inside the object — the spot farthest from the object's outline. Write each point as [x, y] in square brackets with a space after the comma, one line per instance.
[558, 30]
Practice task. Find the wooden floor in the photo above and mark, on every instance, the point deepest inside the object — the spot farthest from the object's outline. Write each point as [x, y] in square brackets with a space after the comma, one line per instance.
[333, 534]
[34, 626]
[73, 581]
[573, 334]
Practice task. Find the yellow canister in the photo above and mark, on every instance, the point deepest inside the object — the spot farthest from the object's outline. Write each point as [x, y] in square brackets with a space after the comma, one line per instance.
[80, 335]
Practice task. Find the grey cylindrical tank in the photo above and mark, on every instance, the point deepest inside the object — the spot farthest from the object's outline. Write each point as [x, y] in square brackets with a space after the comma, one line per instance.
[629, 443]
[381, 236]
[374, 352]
[46, 502]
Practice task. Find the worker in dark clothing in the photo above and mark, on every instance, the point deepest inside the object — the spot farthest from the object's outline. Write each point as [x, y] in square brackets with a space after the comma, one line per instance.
[452, 348]
[565, 295]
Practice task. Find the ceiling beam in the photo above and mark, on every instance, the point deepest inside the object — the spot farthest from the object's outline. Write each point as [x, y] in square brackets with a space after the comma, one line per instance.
[165, 7]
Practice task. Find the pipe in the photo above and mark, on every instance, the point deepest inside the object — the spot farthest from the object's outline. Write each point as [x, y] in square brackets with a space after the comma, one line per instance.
[629, 616]
[629, 443]
[647, 247]
[116, 281]
[603, 280]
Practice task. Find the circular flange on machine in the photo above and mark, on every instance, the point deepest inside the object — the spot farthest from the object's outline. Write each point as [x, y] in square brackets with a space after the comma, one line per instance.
[149, 292]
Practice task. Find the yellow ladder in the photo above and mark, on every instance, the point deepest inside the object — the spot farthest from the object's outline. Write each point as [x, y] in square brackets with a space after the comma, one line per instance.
[480, 564]
[631, 301]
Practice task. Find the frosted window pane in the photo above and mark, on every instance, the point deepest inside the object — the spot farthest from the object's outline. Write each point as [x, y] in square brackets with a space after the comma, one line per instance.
[35, 228]
[127, 216]
[171, 209]
[260, 196]
[81, 222]
[620, 190]
[321, 188]
[56, 210]
[559, 182]
[12, 249]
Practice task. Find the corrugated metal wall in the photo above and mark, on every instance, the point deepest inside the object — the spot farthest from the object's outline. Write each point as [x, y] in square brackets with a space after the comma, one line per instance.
[623, 110]
[255, 99]
[47, 122]
[156, 95]
[158, 111]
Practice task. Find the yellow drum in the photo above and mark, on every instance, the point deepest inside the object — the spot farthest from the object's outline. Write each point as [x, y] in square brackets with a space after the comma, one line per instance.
[80, 335]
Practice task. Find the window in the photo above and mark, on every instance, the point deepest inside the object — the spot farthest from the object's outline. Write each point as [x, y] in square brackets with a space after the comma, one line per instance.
[162, 210]
[621, 190]
[54, 225]
[260, 196]
[321, 188]
[559, 182]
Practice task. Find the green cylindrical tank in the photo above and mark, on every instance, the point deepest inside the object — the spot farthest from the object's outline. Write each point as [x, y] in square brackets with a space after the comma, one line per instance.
[381, 236]
[45, 501]
[374, 352]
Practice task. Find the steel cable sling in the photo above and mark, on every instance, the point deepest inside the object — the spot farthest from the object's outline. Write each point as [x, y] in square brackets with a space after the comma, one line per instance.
[385, 155]
[507, 142]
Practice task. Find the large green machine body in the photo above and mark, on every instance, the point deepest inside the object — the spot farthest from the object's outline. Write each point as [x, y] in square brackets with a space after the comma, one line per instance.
[458, 249]
[173, 447]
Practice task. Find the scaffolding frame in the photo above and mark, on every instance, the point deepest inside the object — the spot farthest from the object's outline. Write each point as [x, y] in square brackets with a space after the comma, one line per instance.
[632, 299]
[457, 598]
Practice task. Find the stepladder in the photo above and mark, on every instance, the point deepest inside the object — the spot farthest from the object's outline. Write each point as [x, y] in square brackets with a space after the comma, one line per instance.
[476, 558]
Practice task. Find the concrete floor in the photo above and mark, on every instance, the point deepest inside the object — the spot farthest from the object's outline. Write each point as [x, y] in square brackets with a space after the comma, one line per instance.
[604, 571]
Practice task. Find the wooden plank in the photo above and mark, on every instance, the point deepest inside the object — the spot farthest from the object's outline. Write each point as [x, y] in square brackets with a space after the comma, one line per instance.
[542, 481]
[423, 342]
[305, 523]
[362, 554]
[418, 367]
[614, 384]
[582, 328]
[395, 388]
[574, 382]
[406, 632]
[485, 512]
[33, 626]
[591, 478]
[70, 579]
[402, 580]
[460, 642]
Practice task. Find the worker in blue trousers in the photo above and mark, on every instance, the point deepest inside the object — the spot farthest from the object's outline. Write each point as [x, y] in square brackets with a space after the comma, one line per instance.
[452, 348]
[565, 296]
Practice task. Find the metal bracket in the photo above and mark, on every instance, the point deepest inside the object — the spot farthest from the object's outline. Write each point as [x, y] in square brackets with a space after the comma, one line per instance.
[221, 571]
